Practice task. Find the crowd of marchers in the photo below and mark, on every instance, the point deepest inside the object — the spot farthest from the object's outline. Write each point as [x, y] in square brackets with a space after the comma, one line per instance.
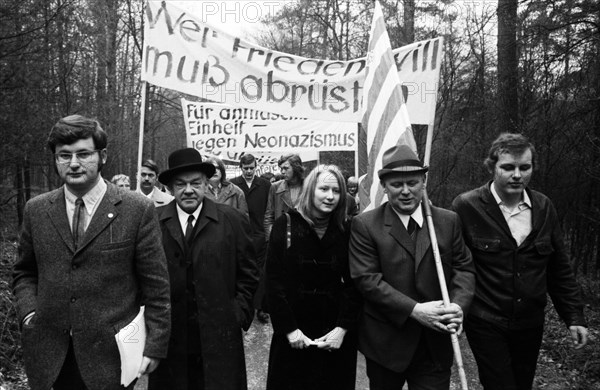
[203, 255]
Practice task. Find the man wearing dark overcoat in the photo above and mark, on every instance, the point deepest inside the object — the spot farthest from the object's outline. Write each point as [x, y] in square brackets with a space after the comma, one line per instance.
[213, 277]
[520, 256]
[256, 191]
[88, 253]
[404, 330]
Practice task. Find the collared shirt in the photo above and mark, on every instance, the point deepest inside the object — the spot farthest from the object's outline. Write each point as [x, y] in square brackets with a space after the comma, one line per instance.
[149, 195]
[417, 215]
[249, 183]
[183, 216]
[519, 218]
[91, 201]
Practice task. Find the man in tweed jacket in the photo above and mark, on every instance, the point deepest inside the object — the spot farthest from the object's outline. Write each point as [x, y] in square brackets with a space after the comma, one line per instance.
[83, 267]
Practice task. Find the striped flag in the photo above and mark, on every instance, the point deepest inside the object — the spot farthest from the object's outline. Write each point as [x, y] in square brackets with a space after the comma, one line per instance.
[385, 116]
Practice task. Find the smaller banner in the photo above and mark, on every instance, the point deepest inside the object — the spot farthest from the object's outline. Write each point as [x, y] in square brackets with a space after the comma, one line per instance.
[214, 127]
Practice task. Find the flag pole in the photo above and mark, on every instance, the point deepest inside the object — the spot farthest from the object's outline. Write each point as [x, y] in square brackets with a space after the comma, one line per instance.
[444, 288]
[434, 244]
[141, 136]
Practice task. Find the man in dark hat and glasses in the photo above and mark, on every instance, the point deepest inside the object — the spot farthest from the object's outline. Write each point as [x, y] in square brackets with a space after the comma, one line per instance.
[404, 328]
[213, 277]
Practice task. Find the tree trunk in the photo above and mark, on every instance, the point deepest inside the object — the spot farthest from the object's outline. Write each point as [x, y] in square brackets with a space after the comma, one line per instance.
[409, 21]
[507, 67]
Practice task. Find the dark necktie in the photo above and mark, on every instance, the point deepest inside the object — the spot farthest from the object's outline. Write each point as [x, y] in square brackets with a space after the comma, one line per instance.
[189, 228]
[412, 228]
[78, 221]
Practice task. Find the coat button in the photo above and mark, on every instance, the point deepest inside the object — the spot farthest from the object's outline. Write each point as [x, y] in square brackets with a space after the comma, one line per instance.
[65, 331]
[74, 267]
[73, 299]
[519, 300]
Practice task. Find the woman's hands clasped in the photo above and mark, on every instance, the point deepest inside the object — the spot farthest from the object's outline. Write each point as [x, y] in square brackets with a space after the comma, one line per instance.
[330, 342]
[298, 340]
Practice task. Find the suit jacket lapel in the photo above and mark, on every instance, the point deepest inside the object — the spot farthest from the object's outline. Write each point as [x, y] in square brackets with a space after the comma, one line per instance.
[57, 212]
[394, 225]
[170, 220]
[536, 221]
[423, 243]
[208, 213]
[104, 215]
[286, 195]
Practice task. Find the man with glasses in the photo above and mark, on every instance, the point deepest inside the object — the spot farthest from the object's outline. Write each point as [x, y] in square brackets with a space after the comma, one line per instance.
[88, 252]
[149, 175]
[213, 277]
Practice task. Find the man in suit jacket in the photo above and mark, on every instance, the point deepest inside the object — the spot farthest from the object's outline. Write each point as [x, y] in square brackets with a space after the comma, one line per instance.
[404, 328]
[284, 194]
[87, 253]
[149, 175]
[520, 256]
[256, 191]
[213, 277]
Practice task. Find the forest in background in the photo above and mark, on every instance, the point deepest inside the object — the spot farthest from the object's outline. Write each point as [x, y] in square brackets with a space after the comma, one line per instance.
[523, 66]
[520, 66]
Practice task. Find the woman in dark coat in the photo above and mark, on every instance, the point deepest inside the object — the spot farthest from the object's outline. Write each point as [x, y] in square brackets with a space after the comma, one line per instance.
[312, 301]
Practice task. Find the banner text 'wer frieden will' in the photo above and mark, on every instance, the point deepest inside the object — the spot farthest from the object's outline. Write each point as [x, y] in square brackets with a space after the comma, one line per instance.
[187, 55]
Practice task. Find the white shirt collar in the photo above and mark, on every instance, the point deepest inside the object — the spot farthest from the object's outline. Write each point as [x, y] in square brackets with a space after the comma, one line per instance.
[525, 199]
[149, 196]
[417, 215]
[91, 198]
[183, 216]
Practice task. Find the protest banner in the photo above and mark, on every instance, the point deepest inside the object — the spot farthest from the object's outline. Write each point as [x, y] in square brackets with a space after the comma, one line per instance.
[218, 127]
[182, 53]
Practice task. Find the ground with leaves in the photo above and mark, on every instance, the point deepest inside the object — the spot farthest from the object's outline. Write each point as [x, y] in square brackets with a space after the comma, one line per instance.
[560, 367]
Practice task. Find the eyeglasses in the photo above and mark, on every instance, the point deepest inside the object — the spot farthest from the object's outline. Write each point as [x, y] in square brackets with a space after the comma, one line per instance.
[182, 186]
[83, 156]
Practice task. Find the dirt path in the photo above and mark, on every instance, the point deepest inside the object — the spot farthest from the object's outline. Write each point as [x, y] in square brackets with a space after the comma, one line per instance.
[258, 339]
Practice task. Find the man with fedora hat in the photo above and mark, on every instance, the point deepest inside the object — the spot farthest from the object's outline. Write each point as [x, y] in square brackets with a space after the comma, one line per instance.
[404, 328]
[213, 277]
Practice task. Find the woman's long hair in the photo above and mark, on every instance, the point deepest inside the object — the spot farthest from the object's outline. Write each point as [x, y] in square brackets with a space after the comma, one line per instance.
[306, 203]
[221, 167]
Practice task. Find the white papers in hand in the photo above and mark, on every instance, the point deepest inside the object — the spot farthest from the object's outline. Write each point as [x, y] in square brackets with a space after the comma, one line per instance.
[131, 341]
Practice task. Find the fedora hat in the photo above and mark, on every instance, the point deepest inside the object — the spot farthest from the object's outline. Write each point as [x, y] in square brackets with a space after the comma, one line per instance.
[185, 160]
[400, 159]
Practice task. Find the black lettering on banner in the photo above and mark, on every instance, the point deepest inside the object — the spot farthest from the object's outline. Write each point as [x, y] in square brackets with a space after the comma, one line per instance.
[157, 56]
[249, 81]
[303, 143]
[216, 65]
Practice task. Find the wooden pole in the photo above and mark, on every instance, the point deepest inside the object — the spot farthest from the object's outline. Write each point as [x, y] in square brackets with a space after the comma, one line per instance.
[434, 244]
[141, 136]
[444, 288]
